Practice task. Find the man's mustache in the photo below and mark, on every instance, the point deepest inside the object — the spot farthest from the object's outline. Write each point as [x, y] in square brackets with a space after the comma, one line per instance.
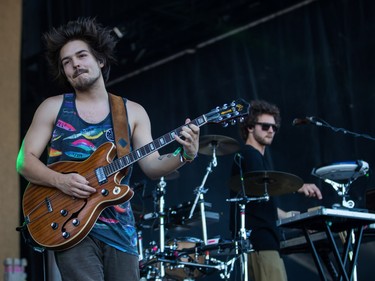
[79, 72]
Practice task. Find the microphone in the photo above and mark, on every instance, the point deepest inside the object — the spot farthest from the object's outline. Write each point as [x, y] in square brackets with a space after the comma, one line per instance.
[306, 120]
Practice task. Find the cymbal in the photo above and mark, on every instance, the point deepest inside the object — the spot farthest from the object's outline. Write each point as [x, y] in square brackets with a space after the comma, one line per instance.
[278, 183]
[223, 145]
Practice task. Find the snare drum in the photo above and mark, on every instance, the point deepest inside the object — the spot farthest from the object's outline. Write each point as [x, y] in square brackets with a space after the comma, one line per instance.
[186, 251]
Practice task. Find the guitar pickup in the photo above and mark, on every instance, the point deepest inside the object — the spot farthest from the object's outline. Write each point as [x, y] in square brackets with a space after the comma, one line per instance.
[100, 175]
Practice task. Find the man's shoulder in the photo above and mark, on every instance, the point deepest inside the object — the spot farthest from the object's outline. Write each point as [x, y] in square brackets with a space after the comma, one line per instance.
[54, 99]
[134, 106]
[249, 149]
[52, 103]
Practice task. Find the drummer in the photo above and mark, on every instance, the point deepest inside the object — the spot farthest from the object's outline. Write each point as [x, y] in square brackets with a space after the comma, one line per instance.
[258, 131]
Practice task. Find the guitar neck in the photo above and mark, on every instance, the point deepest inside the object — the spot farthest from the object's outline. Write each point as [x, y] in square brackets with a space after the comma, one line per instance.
[235, 110]
[149, 148]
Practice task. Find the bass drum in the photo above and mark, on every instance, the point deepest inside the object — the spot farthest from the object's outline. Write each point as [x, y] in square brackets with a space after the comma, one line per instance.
[185, 250]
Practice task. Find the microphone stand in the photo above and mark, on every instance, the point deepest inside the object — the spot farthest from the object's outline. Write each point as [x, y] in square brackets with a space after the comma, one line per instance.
[201, 191]
[321, 123]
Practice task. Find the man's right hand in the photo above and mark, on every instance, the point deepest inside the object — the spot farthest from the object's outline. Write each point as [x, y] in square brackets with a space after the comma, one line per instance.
[75, 185]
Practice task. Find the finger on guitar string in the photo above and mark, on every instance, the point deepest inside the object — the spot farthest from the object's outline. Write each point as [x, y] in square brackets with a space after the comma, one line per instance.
[75, 184]
[189, 137]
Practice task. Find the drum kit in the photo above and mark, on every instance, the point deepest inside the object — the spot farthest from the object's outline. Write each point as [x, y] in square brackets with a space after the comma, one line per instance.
[191, 258]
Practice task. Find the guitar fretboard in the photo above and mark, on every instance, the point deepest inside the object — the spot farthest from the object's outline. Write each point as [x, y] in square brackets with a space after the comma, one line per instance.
[149, 148]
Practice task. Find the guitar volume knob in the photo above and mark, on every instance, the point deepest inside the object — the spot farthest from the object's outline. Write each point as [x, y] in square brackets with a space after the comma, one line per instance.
[66, 235]
[64, 212]
[75, 222]
[105, 192]
[54, 225]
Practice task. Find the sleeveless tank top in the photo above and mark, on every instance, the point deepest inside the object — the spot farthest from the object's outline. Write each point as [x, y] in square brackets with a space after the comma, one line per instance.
[73, 139]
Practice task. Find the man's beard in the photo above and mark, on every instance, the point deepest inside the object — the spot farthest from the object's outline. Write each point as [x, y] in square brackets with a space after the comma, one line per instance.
[84, 84]
[264, 140]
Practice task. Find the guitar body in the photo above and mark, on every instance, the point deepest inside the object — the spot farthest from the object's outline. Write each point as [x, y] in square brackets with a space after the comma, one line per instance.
[58, 221]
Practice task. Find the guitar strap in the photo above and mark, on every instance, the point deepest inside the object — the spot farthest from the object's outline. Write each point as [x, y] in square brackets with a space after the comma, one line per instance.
[120, 125]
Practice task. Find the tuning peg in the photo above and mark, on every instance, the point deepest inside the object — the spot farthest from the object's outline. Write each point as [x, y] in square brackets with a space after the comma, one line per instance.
[224, 124]
[241, 119]
[233, 122]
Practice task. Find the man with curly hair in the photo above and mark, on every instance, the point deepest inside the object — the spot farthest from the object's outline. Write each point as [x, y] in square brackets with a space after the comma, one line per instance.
[74, 125]
[257, 131]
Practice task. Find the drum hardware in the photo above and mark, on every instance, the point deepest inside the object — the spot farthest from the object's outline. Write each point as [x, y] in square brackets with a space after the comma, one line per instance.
[184, 252]
[217, 145]
[157, 272]
[243, 247]
[200, 191]
[161, 192]
[140, 245]
[188, 260]
[261, 183]
[179, 269]
[227, 267]
[212, 145]
[178, 216]
[340, 176]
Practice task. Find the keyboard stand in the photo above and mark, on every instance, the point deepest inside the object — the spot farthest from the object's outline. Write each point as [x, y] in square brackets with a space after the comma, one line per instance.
[346, 223]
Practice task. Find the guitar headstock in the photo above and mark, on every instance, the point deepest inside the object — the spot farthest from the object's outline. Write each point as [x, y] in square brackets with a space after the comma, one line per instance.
[229, 112]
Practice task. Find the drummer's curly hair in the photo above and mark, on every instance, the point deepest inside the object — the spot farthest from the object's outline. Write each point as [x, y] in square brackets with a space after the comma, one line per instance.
[258, 107]
[99, 39]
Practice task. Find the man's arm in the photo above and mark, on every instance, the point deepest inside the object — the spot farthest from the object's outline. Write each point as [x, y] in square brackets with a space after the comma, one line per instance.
[33, 145]
[310, 190]
[35, 142]
[156, 165]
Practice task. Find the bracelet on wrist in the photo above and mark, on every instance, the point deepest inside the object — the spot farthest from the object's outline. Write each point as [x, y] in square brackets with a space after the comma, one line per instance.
[186, 157]
[183, 156]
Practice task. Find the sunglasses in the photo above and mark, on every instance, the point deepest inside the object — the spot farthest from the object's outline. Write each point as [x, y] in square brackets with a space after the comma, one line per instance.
[267, 126]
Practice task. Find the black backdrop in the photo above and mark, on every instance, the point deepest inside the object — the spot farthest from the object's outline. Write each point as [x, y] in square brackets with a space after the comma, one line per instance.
[314, 61]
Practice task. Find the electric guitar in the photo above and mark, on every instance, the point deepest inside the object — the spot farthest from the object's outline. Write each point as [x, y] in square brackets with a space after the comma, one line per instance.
[58, 221]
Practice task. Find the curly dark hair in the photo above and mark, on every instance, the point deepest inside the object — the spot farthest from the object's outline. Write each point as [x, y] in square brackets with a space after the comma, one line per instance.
[258, 107]
[99, 39]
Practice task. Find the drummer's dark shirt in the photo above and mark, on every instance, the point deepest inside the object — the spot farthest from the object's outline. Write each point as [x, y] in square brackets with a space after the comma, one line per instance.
[260, 216]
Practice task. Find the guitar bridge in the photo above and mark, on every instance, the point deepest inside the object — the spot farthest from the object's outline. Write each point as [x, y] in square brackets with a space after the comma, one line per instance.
[100, 175]
[49, 205]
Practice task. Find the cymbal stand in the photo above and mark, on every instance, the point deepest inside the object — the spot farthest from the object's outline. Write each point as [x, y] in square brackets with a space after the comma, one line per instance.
[160, 191]
[140, 245]
[201, 191]
[244, 235]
